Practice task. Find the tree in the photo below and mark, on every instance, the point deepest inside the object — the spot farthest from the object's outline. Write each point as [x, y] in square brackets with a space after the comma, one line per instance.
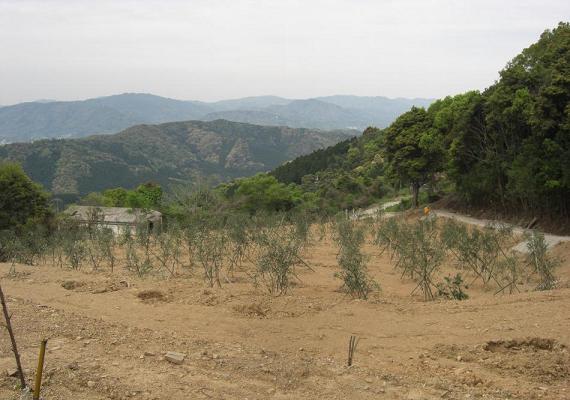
[21, 199]
[412, 150]
[150, 193]
[510, 146]
[147, 195]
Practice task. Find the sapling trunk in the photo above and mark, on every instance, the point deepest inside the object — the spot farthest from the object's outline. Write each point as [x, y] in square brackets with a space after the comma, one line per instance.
[12, 339]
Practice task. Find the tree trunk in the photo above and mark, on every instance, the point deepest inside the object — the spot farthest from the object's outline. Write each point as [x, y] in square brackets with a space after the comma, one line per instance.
[415, 194]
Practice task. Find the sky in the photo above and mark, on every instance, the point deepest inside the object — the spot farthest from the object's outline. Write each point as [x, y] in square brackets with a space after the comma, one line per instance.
[218, 49]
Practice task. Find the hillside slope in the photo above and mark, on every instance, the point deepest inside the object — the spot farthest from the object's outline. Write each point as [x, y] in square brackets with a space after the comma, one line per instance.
[166, 153]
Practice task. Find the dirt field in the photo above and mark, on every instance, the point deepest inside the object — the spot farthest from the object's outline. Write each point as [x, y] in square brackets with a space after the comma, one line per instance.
[108, 334]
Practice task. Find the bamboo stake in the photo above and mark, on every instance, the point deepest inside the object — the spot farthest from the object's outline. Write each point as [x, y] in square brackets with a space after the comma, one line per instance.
[12, 339]
[40, 370]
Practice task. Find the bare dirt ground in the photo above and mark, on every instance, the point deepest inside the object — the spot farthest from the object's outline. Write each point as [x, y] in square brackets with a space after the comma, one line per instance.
[108, 334]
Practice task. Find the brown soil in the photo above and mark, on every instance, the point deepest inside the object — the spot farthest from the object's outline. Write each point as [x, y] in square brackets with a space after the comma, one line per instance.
[108, 334]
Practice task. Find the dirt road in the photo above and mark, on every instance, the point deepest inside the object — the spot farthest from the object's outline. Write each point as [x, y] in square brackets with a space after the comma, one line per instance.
[550, 239]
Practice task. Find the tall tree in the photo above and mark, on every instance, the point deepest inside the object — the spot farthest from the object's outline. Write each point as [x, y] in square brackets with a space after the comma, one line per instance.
[21, 200]
[412, 150]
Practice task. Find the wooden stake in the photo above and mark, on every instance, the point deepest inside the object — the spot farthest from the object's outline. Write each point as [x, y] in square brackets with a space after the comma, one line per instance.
[353, 341]
[12, 339]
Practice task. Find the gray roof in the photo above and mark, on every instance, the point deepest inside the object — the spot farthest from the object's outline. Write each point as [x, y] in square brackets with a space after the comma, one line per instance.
[113, 215]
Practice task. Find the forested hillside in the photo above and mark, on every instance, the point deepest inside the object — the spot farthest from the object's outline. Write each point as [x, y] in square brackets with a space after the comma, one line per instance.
[507, 147]
[166, 153]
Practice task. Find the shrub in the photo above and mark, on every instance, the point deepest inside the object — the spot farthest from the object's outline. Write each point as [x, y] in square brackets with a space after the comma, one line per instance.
[277, 253]
[452, 288]
[239, 241]
[417, 248]
[137, 250]
[482, 250]
[166, 249]
[210, 251]
[353, 272]
[541, 262]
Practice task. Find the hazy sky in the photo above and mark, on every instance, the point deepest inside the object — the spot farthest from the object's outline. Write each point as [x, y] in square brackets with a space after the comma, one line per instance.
[214, 49]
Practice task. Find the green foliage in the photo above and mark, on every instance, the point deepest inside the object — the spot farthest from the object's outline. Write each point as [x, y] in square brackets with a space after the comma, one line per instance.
[147, 195]
[513, 150]
[413, 150]
[21, 200]
[350, 238]
[452, 288]
[331, 157]
[263, 193]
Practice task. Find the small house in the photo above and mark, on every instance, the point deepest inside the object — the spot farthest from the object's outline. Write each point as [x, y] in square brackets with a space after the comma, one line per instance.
[117, 219]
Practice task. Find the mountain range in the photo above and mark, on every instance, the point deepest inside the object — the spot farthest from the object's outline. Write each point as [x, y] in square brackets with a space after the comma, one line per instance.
[104, 115]
[165, 153]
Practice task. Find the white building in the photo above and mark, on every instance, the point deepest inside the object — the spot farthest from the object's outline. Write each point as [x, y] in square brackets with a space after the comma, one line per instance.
[118, 219]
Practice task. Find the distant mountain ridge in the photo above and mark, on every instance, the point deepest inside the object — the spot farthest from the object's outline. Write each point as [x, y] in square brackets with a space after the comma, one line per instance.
[166, 153]
[67, 119]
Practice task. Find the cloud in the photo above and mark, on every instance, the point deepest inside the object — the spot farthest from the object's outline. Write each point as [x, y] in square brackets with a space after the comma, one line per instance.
[219, 48]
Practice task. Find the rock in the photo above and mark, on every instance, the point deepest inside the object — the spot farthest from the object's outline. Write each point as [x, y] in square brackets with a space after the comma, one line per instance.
[174, 357]
[73, 366]
[90, 384]
[149, 354]
[70, 285]
[12, 372]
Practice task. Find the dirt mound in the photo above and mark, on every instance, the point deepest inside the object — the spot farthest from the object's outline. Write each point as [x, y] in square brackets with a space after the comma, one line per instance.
[95, 287]
[528, 344]
[151, 296]
[541, 360]
[252, 310]
[72, 285]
